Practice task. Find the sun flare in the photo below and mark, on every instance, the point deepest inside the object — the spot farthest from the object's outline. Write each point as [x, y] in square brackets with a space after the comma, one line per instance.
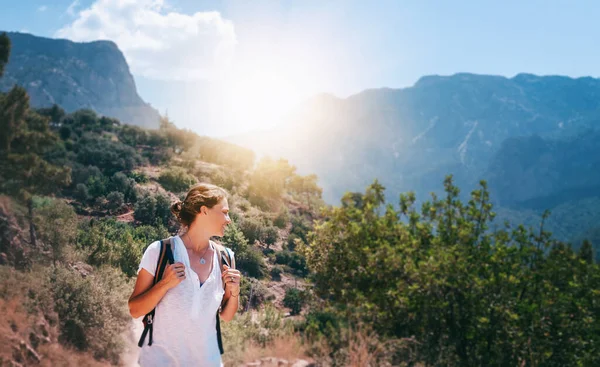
[260, 97]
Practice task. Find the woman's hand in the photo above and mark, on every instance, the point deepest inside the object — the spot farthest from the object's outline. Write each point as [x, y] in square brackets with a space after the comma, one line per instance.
[173, 275]
[232, 278]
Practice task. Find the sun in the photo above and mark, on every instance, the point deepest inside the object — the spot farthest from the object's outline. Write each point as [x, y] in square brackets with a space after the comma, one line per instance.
[259, 97]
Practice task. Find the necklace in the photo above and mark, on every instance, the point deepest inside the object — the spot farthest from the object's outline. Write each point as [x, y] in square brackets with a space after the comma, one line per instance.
[202, 261]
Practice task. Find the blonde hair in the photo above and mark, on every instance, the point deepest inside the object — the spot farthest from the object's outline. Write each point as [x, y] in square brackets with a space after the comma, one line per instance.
[203, 194]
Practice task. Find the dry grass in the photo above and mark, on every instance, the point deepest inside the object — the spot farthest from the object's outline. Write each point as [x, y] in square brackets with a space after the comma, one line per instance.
[288, 347]
[18, 326]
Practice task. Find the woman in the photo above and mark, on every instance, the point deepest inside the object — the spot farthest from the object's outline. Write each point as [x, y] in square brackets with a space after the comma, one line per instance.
[190, 292]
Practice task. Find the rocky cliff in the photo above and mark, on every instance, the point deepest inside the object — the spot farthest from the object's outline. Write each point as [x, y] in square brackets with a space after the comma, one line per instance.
[76, 75]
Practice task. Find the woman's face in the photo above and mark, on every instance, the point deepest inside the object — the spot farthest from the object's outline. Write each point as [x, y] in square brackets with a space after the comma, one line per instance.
[218, 218]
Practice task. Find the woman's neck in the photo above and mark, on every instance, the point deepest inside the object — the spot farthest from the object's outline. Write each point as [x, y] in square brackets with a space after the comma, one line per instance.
[196, 239]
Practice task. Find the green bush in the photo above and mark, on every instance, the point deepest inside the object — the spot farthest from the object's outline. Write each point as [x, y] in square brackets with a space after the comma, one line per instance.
[119, 244]
[282, 218]
[125, 185]
[56, 223]
[176, 180]
[294, 260]
[225, 179]
[253, 287]
[163, 209]
[276, 272]
[269, 236]
[81, 193]
[115, 201]
[91, 310]
[252, 262]
[108, 155]
[252, 228]
[139, 177]
[145, 210]
[294, 300]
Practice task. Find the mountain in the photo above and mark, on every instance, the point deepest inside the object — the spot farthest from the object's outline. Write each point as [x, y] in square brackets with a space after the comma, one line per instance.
[76, 75]
[535, 139]
[410, 138]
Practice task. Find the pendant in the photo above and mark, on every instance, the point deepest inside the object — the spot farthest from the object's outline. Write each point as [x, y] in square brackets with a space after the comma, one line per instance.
[202, 261]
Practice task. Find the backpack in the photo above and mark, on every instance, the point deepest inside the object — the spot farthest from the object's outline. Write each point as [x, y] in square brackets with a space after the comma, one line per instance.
[166, 257]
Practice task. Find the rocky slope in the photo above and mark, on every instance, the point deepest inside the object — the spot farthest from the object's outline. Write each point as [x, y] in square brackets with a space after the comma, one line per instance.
[76, 75]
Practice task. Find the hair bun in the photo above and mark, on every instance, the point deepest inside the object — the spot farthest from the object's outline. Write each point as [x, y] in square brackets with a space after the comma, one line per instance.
[177, 207]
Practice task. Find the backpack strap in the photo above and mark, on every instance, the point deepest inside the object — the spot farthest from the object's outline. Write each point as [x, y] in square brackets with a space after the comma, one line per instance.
[165, 257]
[225, 258]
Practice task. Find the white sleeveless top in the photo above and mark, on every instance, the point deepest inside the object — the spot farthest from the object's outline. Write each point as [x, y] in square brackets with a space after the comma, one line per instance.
[185, 320]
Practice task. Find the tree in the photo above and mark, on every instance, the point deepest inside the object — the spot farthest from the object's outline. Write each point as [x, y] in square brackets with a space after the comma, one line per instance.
[56, 223]
[467, 295]
[294, 300]
[4, 51]
[25, 139]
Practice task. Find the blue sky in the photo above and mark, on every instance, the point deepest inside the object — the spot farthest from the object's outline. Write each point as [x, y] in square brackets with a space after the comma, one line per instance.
[339, 46]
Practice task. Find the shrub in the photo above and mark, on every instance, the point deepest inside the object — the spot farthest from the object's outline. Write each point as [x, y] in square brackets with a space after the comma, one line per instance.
[125, 185]
[252, 287]
[115, 201]
[139, 177]
[294, 260]
[81, 193]
[145, 210]
[282, 218]
[294, 300]
[252, 228]
[276, 272]
[252, 262]
[91, 311]
[269, 236]
[56, 223]
[176, 179]
[163, 209]
[117, 243]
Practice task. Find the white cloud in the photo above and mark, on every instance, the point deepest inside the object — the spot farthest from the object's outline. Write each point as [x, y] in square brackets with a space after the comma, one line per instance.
[42, 8]
[158, 43]
[72, 7]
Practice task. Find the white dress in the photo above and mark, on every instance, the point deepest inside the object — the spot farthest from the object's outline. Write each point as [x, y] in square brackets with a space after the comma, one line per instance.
[185, 320]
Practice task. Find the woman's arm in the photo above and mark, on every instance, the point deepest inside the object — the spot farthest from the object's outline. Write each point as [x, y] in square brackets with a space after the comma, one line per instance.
[231, 304]
[145, 297]
[232, 278]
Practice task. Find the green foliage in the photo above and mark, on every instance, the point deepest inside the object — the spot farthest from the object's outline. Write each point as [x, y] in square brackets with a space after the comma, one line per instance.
[108, 155]
[294, 260]
[294, 300]
[91, 311]
[248, 259]
[124, 185]
[276, 272]
[261, 328]
[282, 218]
[56, 223]
[55, 113]
[176, 180]
[268, 181]
[269, 236]
[4, 51]
[468, 295]
[25, 138]
[153, 209]
[109, 242]
[139, 177]
[252, 228]
[253, 287]
[225, 178]
[223, 153]
[115, 201]
[81, 193]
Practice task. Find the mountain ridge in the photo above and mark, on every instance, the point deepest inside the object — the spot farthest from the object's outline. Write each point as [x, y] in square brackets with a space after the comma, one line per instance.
[76, 75]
